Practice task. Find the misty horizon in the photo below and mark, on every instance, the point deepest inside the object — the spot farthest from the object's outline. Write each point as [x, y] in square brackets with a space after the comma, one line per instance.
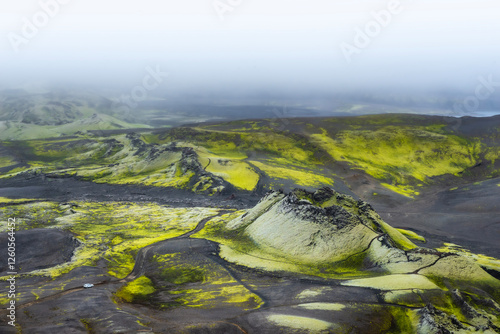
[242, 49]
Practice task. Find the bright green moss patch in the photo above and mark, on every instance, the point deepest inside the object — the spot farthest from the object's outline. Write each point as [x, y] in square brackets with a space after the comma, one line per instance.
[401, 154]
[234, 171]
[197, 282]
[137, 290]
[6, 161]
[323, 306]
[411, 235]
[409, 298]
[403, 321]
[312, 325]
[182, 275]
[399, 238]
[407, 191]
[394, 282]
[300, 176]
[483, 260]
[218, 295]
[4, 200]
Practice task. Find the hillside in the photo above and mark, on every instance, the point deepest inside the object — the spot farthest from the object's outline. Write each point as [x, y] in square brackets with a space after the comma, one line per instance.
[221, 228]
[315, 262]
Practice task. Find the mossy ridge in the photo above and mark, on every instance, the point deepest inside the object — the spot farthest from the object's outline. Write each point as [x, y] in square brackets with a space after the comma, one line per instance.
[300, 176]
[233, 170]
[404, 156]
[289, 146]
[122, 159]
[431, 275]
[137, 290]
[237, 246]
[87, 120]
[483, 260]
[411, 235]
[240, 245]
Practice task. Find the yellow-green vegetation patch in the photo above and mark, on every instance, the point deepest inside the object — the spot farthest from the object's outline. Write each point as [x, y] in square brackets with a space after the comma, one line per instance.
[404, 190]
[492, 154]
[5, 200]
[323, 306]
[32, 215]
[410, 297]
[312, 325]
[483, 260]
[300, 176]
[164, 170]
[136, 290]
[399, 238]
[394, 282]
[401, 154]
[6, 161]
[218, 295]
[411, 234]
[114, 231]
[201, 283]
[226, 139]
[313, 292]
[234, 171]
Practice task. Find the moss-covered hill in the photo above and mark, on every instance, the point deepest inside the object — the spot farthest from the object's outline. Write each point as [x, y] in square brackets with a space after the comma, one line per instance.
[394, 155]
[25, 115]
[331, 235]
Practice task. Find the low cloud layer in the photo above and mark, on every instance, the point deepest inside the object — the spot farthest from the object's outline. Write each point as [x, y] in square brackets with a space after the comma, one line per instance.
[241, 46]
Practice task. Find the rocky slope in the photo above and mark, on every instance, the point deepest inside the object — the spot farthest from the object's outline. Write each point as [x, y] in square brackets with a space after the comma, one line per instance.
[340, 236]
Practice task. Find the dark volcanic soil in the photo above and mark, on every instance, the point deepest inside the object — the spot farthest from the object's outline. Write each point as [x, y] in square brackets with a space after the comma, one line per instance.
[70, 188]
[468, 216]
[41, 248]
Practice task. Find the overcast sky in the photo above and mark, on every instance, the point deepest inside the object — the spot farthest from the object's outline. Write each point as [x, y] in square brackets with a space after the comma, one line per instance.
[254, 44]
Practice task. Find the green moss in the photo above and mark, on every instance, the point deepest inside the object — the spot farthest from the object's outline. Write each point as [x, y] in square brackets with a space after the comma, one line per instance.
[201, 283]
[411, 235]
[220, 295]
[137, 290]
[407, 191]
[234, 171]
[301, 176]
[4, 200]
[482, 260]
[238, 248]
[403, 321]
[293, 322]
[87, 324]
[394, 282]
[404, 155]
[323, 306]
[182, 275]
[113, 231]
[396, 236]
